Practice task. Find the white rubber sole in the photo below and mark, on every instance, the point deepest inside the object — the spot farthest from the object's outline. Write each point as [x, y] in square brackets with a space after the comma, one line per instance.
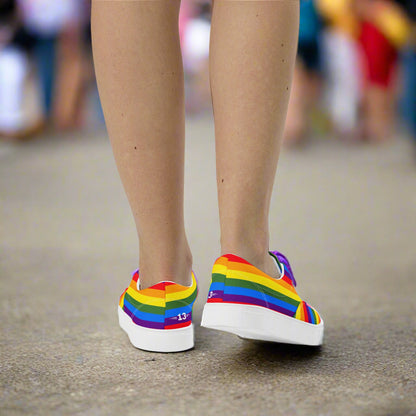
[156, 340]
[258, 323]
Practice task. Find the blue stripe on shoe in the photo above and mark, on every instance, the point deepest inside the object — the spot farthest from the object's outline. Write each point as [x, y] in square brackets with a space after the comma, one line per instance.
[144, 316]
[174, 312]
[233, 290]
[217, 286]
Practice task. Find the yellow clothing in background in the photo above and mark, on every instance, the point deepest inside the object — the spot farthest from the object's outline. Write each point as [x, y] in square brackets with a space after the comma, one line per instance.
[392, 22]
[340, 15]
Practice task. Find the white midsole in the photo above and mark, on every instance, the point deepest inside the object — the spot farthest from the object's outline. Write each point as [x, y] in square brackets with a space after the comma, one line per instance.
[157, 340]
[259, 323]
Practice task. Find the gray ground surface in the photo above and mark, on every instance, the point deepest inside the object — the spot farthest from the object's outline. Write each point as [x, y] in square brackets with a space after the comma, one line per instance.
[344, 215]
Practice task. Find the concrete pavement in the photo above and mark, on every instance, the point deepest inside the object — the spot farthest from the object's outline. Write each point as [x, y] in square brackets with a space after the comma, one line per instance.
[344, 215]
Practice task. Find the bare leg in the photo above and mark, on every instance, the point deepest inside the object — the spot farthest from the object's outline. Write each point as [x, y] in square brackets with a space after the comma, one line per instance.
[303, 99]
[252, 56]
[140, 78]
[379, 113]
[297, 115]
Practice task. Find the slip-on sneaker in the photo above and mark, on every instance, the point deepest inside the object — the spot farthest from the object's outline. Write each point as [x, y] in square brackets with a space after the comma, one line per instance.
[247, 302]
[158, 318]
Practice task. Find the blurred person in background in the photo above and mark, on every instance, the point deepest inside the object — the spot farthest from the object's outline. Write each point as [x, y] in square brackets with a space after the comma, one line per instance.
[14, 68]
[185, 14]
[195, 49]
[341, 62]
[55, 27]
[408, 102]
[73, 68]
[383, 31]
[307, 75]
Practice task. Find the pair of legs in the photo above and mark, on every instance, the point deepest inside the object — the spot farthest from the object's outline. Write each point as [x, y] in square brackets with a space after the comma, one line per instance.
[140, 78]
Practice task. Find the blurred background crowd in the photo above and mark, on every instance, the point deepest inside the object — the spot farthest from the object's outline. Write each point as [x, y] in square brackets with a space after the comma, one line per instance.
[355, 76]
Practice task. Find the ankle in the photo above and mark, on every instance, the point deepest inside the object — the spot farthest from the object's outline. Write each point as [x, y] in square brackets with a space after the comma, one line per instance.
[262, 260]
[254, 250]
[166, 267]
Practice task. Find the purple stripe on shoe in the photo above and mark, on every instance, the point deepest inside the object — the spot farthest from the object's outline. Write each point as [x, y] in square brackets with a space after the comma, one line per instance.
[308, 308]
[141, 322]
[215, 294]
[179, 319]
[288, 270]
[148, 324]
[256, 302]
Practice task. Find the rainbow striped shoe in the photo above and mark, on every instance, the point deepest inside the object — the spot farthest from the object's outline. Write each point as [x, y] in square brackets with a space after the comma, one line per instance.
[247, 302]
[158, 318]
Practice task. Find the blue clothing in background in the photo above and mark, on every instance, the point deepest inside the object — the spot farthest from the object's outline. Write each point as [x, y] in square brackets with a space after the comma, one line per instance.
[409, 89]
[45, 56]
[309, 36]
[310, 24]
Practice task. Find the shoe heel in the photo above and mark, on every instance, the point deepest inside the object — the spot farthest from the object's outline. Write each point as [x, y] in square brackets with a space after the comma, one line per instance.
[156, 340]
